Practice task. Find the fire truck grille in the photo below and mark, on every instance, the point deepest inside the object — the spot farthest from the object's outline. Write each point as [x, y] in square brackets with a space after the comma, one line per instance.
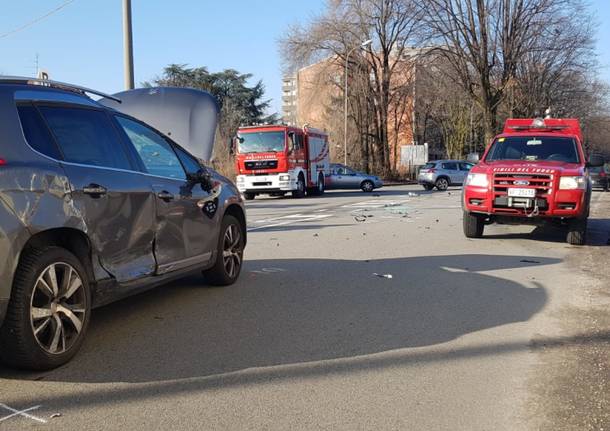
[261, 164]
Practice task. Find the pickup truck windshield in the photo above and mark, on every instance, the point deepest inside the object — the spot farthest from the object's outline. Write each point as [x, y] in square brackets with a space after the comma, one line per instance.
[261, 142]
[534, 148]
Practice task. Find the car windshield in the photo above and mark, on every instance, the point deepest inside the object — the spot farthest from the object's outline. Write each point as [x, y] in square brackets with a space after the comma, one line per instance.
[534, 148]
[261, 142]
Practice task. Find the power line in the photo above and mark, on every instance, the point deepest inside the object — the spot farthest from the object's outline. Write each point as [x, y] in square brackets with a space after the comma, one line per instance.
[37, 20]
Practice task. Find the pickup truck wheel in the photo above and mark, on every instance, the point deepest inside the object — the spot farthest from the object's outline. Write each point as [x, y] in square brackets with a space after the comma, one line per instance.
[577, 231]
[473, 225]
[442, 184]
[249, 196]
[49, 310]
[300, 191]
[229, 254]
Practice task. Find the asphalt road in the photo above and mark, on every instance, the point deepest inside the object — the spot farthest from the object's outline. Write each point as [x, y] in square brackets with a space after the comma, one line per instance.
[354, 311]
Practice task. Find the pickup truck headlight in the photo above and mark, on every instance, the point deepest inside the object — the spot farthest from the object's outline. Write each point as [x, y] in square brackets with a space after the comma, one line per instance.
[477, 180]
[572, 183]
[284, 177]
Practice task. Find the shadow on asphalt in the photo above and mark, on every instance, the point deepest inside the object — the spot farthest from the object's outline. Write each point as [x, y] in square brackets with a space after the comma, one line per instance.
[295, 227]
[312, 310]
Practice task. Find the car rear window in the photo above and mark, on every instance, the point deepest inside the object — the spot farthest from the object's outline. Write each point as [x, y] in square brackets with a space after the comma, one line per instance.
[36, 132]
[429, 165]
[86, 136]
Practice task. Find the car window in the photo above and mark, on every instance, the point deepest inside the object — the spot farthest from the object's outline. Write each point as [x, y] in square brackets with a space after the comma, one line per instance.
[429, 165]
[36, 132]
[189, 162]
[156, 153]
[450, 166]
[86, 136]
[466, 166]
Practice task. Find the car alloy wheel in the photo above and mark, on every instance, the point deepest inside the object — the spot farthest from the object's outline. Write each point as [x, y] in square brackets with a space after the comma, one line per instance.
[58, 308]
[232, 250]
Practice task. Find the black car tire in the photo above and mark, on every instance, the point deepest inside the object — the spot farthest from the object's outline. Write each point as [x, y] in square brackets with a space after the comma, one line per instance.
[442, 183]
[221, 274]
[473, 224]
[577, 231]
[428, 187]
[19, 346]
[300, 191]
[367, 186]
[249, 196]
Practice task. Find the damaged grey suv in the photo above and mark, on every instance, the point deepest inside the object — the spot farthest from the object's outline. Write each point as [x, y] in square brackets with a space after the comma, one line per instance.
[100, 200]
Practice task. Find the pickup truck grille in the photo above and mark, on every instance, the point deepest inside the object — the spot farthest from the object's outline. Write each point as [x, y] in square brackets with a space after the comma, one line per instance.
[504, 181]
[542, 183]
[261, 164]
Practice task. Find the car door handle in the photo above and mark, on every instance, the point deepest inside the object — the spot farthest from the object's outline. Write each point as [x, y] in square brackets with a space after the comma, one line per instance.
[94, 190]
[165, 196]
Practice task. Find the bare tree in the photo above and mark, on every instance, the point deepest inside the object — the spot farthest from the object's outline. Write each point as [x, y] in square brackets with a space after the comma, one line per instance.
[487, 42]
[392, 24]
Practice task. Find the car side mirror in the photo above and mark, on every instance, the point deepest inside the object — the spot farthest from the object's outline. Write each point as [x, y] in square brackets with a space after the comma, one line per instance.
[232, 145]
[203, 177]
[595, 161]
[290, 142]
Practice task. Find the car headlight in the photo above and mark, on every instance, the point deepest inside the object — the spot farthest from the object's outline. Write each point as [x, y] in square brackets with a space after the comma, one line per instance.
[572, 183]
[284, 177]
[477, 180]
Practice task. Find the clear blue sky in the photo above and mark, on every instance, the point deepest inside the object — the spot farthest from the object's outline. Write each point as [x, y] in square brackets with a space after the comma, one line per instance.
[82, 43]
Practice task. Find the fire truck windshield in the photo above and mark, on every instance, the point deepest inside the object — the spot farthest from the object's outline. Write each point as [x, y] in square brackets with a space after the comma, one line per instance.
[538, 148]
[261, 142]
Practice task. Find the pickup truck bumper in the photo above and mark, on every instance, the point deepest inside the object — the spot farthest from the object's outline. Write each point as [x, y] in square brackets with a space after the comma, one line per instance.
[560, 204]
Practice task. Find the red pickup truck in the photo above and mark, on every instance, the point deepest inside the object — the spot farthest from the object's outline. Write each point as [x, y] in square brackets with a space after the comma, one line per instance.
[533, 173]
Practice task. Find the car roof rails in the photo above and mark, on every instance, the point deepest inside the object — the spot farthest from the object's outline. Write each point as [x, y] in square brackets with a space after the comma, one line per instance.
[55, 84]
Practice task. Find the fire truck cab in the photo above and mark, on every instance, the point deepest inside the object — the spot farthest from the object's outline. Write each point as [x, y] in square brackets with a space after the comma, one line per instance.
[277, 159]
[532, 173]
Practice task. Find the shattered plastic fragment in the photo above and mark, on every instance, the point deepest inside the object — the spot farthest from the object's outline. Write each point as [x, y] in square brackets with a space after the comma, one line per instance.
[382, 275]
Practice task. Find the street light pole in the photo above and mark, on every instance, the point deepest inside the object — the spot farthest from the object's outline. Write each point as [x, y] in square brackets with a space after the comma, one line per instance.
[362, 45]
[127, 45]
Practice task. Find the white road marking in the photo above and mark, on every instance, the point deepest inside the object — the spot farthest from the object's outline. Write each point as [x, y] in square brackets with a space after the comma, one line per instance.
[288, 219]
[268, 270]
[23, 413]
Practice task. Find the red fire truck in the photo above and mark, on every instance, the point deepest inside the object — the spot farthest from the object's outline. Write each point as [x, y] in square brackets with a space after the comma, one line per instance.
[534, 172]
[277, 159]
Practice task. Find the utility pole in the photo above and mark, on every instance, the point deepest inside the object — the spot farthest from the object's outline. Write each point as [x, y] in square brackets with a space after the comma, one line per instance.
[127, 45]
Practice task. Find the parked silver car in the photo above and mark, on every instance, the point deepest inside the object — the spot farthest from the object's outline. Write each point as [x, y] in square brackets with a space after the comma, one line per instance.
[444, 173]
[344, 177]
[95, 205]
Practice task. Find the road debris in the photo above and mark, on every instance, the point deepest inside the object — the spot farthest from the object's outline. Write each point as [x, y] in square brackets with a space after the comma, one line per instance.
[316, 235]
[382, 275]
[55, 415]
[412, 195]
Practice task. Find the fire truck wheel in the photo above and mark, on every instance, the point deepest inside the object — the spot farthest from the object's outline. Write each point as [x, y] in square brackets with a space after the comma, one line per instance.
[300, 191]
[577, 231]
[318, 190]
[473, 225]
[249, 196]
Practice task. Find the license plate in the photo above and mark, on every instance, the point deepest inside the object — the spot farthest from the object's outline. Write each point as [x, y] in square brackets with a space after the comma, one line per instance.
[522, 193]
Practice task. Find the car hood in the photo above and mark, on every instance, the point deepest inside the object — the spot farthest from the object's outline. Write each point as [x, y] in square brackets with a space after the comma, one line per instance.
[525, 167]
[187, 116]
